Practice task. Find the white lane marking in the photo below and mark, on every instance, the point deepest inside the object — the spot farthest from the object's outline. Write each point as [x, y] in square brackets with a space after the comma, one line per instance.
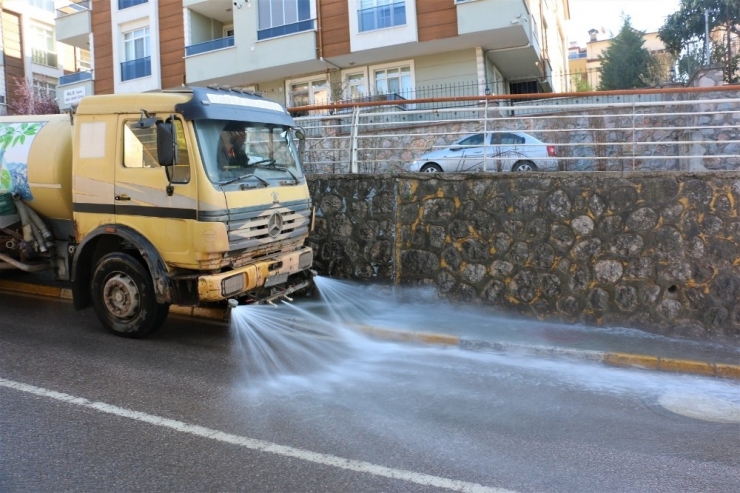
[259, 445]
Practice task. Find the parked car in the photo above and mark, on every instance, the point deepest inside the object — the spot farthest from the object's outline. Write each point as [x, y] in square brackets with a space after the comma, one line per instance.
[506, 151]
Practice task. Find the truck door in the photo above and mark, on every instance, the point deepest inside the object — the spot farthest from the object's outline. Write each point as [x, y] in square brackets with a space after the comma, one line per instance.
[161, 208]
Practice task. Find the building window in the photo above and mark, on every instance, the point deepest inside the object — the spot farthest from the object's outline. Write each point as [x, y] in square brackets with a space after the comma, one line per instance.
[47, 5]
[44, 88]
[136, 55]
[140, 150]
[308, 92]
[43, 46]
[356, 86]
[281, 17]
[83, 59]
[379, 14]
[395, 81]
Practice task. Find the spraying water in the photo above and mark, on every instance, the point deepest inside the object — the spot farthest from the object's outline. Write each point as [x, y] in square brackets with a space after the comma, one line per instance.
[299, 338]
[315, 344]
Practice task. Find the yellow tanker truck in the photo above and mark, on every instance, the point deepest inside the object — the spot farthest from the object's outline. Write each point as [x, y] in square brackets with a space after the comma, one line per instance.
[186, 197]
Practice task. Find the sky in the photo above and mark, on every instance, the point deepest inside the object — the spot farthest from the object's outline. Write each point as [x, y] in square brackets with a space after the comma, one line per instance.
[647, 15]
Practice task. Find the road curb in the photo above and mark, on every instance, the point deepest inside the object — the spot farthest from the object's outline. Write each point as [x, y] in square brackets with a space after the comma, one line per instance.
[36, 289]
[624, 360]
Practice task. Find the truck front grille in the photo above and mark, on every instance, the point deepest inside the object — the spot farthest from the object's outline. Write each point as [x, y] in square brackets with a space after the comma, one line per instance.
[255, 230]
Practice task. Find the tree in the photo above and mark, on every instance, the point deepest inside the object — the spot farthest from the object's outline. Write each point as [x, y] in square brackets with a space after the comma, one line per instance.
[580, 83]
[626, 63]
[28, 101]
[688, 26]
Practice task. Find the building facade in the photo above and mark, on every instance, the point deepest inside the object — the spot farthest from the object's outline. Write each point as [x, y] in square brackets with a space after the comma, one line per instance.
[302, 52]
[31, 53]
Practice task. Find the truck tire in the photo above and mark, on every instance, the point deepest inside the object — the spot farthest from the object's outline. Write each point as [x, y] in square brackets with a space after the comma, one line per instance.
[123, 297]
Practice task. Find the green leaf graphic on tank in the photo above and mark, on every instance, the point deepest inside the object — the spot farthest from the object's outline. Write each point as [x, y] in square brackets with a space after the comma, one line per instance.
[16, 140]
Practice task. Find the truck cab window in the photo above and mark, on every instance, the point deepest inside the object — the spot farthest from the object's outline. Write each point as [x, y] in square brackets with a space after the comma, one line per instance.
[140, 150]
[231, 149]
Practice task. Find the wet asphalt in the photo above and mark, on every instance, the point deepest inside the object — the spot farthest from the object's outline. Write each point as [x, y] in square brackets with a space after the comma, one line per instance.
[467, 420]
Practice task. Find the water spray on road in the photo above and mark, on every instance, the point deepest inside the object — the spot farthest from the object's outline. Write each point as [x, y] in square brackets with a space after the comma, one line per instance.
[316, 342]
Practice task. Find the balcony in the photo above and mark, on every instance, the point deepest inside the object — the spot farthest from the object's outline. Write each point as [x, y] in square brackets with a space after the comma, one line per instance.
[75, 77]
[43, 57]
[73, 25]
[136, 69]
[212, 45]
[125, 4]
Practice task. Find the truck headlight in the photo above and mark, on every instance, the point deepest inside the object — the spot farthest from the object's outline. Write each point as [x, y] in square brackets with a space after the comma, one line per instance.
[305, 260]
[232, 285]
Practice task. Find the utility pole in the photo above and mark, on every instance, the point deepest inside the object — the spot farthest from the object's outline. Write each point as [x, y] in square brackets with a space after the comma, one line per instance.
[706, 37]
[730, 76]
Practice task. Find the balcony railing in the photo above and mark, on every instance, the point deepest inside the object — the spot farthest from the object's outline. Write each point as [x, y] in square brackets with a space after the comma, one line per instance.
[134, 69]
[214, 44]
[43, 57]
[73, 7]
[296, 27]
[124, 4]
[75, 77]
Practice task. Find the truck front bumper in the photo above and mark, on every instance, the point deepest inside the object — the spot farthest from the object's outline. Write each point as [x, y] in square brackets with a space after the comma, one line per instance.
[264, 273]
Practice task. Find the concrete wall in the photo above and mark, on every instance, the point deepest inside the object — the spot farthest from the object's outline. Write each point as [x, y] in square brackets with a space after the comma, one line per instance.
[656, 251]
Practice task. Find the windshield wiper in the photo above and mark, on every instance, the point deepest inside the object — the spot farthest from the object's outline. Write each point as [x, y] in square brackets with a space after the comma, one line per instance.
[270, 163]
[244, 177]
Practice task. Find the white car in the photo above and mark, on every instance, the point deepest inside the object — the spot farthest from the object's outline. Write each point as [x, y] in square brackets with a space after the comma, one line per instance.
[505, 151]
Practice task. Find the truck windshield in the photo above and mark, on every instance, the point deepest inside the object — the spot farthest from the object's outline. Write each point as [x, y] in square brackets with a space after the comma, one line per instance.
[231, 150]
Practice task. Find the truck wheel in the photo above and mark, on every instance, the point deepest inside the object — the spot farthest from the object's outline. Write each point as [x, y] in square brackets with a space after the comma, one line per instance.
[123, 297]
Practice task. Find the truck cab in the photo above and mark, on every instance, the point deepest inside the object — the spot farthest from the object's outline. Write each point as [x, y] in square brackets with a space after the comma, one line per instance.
[171, 207]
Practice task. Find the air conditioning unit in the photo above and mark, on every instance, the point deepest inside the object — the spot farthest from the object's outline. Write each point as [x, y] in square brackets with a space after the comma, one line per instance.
[463, 1]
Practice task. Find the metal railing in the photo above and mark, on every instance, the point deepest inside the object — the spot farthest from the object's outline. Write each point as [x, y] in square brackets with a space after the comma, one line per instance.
[134, 69]
[73, 7]
[285, 29]
[75, 77]
[43, 57]
[679, 129]
[206, 46]
[124, 4]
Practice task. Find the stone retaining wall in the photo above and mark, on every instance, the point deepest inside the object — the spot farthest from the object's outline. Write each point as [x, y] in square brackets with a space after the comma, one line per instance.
[656, 251]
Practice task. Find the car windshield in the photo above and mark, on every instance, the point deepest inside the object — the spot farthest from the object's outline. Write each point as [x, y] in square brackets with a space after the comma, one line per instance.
[234, 151]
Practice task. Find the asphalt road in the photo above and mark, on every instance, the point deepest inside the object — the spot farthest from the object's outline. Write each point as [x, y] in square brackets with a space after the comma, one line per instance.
[81, 410]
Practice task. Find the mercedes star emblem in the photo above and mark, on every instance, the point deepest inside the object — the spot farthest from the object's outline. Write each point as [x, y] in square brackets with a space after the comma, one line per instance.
[275, 225]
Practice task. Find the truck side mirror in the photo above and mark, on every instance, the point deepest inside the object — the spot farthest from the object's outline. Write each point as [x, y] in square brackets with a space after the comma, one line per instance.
[166, 143]
[301, 136]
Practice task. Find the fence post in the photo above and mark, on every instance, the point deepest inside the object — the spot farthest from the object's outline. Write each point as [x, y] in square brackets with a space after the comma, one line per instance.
[633, 134]
[353, 166]
[485, 135]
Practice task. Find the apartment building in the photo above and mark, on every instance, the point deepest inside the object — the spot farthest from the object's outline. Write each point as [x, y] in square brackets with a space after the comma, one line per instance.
[31, 51]
[585, 63]
[314, 51]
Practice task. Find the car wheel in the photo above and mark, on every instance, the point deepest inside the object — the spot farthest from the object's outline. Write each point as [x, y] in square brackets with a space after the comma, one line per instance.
[123, 297]
[524, 166]
[431, 168]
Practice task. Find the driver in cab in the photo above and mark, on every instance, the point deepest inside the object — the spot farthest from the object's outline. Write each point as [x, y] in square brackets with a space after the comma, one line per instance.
[234, 152]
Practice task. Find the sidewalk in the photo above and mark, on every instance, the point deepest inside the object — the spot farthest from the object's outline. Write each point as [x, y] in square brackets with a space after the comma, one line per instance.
[613, 346]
